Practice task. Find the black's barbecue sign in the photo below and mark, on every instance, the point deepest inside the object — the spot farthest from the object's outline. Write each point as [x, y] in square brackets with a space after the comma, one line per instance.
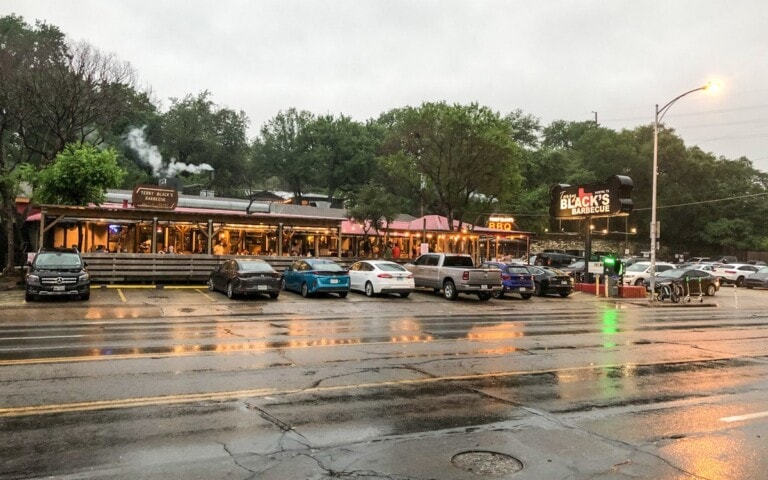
[606, 199]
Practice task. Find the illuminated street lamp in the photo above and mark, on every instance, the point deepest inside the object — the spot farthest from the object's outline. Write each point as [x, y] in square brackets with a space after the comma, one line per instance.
[660, 112]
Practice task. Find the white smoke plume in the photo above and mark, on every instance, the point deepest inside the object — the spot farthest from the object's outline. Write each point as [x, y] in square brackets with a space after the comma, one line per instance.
[150, 154]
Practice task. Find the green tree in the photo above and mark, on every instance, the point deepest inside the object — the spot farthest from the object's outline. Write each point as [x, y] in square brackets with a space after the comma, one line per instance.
[80, 175]
[51, 93]
[373, 206]
[464, 152]
[284, 150]
[199, 137]
[342, 152]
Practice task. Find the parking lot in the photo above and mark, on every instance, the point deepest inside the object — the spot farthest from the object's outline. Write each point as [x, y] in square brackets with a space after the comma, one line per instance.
[179, 300]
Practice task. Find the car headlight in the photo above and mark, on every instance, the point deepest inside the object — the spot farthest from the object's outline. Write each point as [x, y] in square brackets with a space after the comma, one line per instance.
[33, 279]
[83, 278]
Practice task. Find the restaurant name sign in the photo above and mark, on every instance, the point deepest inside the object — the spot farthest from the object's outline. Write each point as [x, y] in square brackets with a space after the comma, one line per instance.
[154, 197]
[605, 199]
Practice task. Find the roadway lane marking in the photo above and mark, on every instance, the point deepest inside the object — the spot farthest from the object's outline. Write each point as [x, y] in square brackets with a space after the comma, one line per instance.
[122, 295]
[262, 392]
[740, 418]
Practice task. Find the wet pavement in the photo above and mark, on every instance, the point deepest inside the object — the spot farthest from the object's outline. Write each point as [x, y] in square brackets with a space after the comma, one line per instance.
[185, 383]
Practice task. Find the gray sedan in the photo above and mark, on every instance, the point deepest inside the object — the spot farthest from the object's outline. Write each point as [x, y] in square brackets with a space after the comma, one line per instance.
[245, 277]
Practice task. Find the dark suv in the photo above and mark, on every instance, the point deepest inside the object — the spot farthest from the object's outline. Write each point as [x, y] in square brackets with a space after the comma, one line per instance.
[57, 272]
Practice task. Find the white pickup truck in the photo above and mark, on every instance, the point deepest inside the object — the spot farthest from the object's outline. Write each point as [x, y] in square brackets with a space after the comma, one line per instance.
[454, 274]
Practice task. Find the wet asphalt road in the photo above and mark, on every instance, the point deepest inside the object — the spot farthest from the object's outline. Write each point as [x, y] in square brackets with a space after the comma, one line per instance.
[184, 383]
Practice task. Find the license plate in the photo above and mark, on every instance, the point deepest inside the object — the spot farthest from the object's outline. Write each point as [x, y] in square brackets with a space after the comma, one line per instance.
[483, 287]
[58, 288]
[522, 289]
[563, 283]
[261, 287]
[334, 280]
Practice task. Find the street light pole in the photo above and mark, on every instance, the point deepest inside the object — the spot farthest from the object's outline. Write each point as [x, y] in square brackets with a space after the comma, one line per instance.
[660, 112]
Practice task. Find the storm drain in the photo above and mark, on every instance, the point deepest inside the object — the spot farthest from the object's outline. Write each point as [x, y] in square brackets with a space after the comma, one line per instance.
[486, 463]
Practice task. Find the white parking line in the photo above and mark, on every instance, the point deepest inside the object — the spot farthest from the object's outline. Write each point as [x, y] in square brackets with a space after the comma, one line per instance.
[749, 416]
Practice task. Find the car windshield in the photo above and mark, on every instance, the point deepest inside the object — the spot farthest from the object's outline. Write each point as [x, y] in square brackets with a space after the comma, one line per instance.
[57, 260]
[391, 267]
[763, 270]
[522, 270]
[252, 266]
[673, 273]
[326, 266]
[637, 267]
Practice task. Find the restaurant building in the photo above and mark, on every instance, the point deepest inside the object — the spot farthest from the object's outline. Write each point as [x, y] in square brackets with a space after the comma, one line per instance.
[157, 219]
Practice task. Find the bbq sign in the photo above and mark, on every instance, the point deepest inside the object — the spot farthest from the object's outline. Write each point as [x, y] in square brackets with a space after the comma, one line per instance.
[151, 196]
[606, 199]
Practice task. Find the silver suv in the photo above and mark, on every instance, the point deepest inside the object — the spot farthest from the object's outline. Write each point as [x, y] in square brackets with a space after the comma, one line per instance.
[57, 272]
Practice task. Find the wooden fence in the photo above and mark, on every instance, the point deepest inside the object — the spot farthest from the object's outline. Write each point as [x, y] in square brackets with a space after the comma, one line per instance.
[158, 268]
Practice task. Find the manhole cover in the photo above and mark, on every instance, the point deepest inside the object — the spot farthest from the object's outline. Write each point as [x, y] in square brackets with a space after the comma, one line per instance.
[486, 463]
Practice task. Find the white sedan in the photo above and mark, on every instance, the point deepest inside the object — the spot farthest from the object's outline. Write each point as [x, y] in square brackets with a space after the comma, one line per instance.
[380, 276]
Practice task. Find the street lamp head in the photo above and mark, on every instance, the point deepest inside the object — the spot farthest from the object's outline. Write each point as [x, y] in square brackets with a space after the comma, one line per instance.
[713, 87]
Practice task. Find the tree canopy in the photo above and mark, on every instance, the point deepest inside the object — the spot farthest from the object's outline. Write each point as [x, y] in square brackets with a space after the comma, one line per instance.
[463, 161]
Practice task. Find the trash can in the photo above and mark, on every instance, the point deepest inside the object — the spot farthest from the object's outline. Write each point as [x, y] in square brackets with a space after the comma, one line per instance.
[613, 286]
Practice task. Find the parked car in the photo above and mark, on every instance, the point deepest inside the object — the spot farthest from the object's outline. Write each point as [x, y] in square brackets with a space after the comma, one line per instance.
[514, 279]
[375, 277]
[707, 267]
[640, 273]
[57, 272]
[575, 270]
[759, 279]
[245, 277]
[549, 281]
[734, 273]
[309, 276]
[552, 259]
[688, 281]
[454, 273]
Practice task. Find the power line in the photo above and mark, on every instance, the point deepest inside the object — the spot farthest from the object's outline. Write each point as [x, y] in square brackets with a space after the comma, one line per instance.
[702, 202]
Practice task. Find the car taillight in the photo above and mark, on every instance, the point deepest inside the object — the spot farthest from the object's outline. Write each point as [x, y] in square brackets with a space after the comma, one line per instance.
[384, 275]
[465, 275]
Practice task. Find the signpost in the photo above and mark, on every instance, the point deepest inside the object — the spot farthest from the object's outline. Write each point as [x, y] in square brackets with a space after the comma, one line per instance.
[610, 198]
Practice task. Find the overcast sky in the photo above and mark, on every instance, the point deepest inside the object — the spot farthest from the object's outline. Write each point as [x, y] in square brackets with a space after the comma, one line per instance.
[553, 59]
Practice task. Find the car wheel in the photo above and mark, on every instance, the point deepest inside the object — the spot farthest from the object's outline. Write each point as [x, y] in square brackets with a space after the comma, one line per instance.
[304, 290]
[274, 296]
[565, 294]
[526, 296]
[230, 290]
[740, 282]
[498, 294]
[210, 285]
[29, 297]
[404, 294]
[711, 290]
[85, 296]
[484, 297]
[369, 289]
[537, 290]
[449, 290]
[639, 282]
[282, 284]
[343, 294]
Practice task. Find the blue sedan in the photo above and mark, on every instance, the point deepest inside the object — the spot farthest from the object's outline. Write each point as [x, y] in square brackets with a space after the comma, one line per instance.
[314, 275]
[514, 279]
